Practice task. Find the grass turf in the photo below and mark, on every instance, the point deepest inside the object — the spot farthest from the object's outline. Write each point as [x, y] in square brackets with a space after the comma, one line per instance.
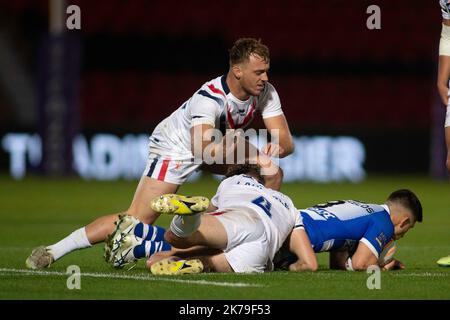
[39, 211]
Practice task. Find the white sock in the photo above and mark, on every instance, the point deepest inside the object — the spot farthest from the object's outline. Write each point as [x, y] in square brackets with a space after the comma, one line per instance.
[184, 226]
[76, 240]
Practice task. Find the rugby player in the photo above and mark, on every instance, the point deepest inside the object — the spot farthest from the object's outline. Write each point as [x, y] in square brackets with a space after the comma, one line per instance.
[177, 145]
[444, 70]
[243, 235]
[356, 234]
[249, 225]
[443, 84]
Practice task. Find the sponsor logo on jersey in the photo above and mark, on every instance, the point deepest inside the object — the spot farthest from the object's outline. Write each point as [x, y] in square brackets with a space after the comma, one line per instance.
[381, 239]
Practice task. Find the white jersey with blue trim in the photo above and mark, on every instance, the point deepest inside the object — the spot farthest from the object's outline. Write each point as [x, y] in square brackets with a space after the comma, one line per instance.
[275, 209]
[445, 9]
[215, 105]
[342, 223]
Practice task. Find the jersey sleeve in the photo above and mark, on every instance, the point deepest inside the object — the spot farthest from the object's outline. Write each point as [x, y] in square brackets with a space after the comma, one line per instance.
[445, 9]
[222, 185]
[203, 111]
[378, 234]
[299, 221]
[215, 199]
[270, 102]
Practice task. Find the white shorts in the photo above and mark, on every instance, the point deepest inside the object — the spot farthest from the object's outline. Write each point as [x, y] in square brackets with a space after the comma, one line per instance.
[172, 171]
[447, 117]
[248, 246]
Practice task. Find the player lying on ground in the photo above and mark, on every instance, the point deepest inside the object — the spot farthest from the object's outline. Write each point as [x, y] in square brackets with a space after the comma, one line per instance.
[179, 143]
[356, 234]
[252, 222]
[244, 234]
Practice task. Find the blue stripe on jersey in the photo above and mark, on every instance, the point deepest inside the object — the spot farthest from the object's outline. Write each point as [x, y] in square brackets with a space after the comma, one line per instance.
[223, 80]
[333, 233]
[206, 94]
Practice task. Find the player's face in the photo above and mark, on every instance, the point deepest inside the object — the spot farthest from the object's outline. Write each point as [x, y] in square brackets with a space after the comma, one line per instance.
[254, 75]
[402, 229]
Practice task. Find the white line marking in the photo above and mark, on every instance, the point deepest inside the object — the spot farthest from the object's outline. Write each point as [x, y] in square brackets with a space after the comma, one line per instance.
[426, 274]
[25, 272]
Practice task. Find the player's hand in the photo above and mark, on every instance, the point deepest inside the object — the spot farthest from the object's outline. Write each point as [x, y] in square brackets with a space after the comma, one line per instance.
[273, 150]
[394, 265]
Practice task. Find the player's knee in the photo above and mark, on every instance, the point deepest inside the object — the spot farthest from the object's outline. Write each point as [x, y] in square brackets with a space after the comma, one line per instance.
[448, 165]
[174, 240]
[169, 237]
[145, 218]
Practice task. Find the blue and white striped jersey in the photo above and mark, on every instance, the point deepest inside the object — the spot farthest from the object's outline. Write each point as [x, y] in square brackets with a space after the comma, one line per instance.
[342, 223]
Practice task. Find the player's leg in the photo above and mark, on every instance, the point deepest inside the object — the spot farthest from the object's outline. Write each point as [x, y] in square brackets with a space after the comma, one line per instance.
[147, 189]
[239, 233]
[98, 230]
[161, 176]
[251, 256]
[168, 262]
[196, 230]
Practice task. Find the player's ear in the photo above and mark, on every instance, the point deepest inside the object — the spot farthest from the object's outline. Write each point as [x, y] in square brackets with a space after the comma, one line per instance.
[405, 222]
[237, 71]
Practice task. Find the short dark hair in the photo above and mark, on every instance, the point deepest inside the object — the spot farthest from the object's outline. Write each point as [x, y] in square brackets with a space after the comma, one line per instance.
[243, 48]
[251, 169]
[408, 200]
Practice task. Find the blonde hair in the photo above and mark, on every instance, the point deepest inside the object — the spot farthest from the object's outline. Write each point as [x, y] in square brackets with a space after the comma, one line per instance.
[243, 48]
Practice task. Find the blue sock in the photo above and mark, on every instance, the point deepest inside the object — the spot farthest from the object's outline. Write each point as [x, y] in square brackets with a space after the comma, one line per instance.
[149, 232]
[148, 248]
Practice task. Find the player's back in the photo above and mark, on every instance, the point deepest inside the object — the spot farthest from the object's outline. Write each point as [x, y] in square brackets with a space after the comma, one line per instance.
[339, 223]
[276, 210]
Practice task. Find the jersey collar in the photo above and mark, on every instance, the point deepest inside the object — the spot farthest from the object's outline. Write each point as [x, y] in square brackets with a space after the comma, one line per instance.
[225, 87]
[385, 207]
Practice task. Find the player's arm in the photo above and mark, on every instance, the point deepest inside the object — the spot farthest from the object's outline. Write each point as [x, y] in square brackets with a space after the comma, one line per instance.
[203, 145]
[202, 136]
[279, 130]
[393, 265]
[300, 245]
[444, 62]
[362, 259]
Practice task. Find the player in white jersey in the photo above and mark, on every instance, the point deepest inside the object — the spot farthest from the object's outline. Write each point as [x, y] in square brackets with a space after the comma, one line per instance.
[443, 83]
[248, 225]
[357, 235]
[178, 144]
[444, 70]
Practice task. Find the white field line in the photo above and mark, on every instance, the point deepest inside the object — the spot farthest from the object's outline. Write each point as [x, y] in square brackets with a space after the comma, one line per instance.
[424, 275]
[25, 272]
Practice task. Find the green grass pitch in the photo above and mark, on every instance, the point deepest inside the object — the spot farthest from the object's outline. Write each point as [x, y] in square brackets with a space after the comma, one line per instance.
[39, 211]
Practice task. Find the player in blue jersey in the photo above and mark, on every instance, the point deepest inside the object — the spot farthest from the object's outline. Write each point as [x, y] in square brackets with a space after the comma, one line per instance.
[355, 233]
